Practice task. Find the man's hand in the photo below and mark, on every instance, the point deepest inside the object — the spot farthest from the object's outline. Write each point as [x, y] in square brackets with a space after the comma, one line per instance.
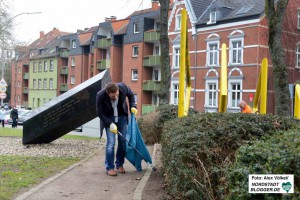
[134, 111]
[113, 128]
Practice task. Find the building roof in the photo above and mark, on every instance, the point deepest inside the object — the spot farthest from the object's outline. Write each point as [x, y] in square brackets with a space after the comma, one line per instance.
[120, 26]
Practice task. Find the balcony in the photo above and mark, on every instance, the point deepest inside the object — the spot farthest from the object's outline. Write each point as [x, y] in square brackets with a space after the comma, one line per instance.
[103, 64]
[148, 108]
[104, 43]
[64, 53]
[151, 85]
[63, 87]
[151, 61]
[64, 70]
[25, 90]
[26, 76]
[152, 36]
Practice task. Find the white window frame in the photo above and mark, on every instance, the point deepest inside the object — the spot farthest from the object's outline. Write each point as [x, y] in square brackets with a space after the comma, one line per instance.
[298, 17]
[230, 83]
[176, 56]
[156, 72]
[45, 83]
[135, 28]
[135, 98]
[155, 97]
[239, 50]
[74, 44]
[297, 56]
[51, 68]
[34, 84]
[51, 83]
[214, 52]
[45, 66]
[178, 22]
[134, 75]
[19, 70]
[72, 80]
[18, 98]
[40, 66]
[174, 92]
[135, 51]
[34, 66]
[213, 91]
[39, 84]
[73, 61]
[212, 17]
[156, 50]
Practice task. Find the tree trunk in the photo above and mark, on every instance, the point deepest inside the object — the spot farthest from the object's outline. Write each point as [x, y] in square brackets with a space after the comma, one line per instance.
[165, 57]
[275, 19]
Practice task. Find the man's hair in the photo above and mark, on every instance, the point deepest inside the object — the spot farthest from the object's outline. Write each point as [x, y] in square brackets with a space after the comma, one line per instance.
[111, 88]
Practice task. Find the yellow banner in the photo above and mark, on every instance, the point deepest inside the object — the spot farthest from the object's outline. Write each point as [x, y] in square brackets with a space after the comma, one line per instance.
[223, 82]
[297, 102]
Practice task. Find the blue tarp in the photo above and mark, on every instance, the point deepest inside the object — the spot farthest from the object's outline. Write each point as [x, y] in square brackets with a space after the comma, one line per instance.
[135, 140]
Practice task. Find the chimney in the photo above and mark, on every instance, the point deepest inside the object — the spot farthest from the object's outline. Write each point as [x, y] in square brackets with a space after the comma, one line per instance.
[110, 19]
[155, 5]
[42, 34]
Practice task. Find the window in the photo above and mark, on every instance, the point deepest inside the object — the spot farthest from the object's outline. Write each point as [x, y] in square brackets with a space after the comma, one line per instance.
[73, 61]
[34, 84]
[19, 85]
[40, 66]
[298, 56]
[39, 83]
[44, 100]
[156, 51]
[135, 51]
[155, 99]
[157, 26]
[211, 93]
[45, 66]
[72, 79]
[50, 83]
[45, 83]
[298, 19]
[18, 98]
[174, 93]
[34, 67]
[51, 65]
[19, 70]
[156, 75]
[176, 57]
[212, 18]
[212, 53]
[178, 22]
[134, 75]
[135, 28]
[73, 44]
[236, 51]
[235, 94]
[135, 98]
[33, 102]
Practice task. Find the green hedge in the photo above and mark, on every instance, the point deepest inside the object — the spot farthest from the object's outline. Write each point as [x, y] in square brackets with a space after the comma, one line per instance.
[279, 154]
[198, 150]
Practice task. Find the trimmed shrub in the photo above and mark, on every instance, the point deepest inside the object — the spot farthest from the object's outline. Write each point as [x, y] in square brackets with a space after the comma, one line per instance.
[199, 149]
[282, 156]
[151, 124]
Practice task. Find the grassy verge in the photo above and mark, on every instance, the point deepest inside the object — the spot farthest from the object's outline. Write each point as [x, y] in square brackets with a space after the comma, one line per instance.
[13, 132]
[20, 172]
[17, 172]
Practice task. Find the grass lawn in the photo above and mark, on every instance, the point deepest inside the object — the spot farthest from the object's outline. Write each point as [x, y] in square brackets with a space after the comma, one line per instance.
[17, 172]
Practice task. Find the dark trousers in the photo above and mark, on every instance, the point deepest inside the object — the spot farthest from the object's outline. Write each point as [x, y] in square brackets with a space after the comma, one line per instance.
[15, 123]
[2, 122]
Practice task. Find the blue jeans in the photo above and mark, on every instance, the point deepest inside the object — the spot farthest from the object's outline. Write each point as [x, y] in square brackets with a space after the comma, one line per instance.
[110, 145]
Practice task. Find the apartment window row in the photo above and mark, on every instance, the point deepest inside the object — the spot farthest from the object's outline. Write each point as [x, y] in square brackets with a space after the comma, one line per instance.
[43, 66]
[156, 74]
[37, 84]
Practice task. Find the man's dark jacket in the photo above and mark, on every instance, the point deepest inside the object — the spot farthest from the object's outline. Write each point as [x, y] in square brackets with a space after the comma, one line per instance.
[104, 108]
[14, 114]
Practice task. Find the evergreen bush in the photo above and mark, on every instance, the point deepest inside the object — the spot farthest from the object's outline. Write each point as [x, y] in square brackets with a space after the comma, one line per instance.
[198, 150]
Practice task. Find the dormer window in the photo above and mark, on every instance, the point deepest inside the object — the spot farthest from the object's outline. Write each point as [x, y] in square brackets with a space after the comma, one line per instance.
[212, 18]
[73, 44]
[135, 28]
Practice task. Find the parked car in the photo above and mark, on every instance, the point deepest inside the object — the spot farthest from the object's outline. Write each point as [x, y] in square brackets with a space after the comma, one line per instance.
[7, 117]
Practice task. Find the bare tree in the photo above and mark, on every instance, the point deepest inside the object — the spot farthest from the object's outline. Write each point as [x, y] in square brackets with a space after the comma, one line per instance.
[6, 26]
[275, 14]
[165, 57]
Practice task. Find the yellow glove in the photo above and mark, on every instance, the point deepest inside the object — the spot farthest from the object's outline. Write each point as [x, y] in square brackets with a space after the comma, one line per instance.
[134, 111]
[113, 128]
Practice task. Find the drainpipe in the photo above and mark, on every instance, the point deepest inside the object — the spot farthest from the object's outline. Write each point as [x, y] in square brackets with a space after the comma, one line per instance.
[195, 38]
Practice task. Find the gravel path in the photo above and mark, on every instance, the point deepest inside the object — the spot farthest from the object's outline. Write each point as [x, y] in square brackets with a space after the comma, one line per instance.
[58, 148]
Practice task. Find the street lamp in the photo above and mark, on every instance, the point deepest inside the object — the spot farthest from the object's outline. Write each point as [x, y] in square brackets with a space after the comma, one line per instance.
[4, 27]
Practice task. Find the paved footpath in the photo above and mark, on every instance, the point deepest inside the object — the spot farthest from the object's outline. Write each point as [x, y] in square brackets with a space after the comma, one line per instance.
[87, 180]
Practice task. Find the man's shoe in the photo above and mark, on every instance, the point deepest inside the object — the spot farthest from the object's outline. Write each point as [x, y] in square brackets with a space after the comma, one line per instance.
[121, 170]
[111, 172]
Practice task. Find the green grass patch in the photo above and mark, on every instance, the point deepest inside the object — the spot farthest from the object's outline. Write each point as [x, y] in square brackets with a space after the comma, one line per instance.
[14, 132]
[18, 172]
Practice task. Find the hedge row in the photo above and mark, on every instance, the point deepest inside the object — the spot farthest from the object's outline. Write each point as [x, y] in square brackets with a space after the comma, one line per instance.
[199, 150]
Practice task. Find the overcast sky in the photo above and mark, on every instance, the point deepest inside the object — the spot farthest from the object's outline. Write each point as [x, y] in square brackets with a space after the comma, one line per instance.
[68, 15]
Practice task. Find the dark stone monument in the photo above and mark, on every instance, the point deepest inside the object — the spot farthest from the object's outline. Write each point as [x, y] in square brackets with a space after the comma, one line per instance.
[65, 112]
